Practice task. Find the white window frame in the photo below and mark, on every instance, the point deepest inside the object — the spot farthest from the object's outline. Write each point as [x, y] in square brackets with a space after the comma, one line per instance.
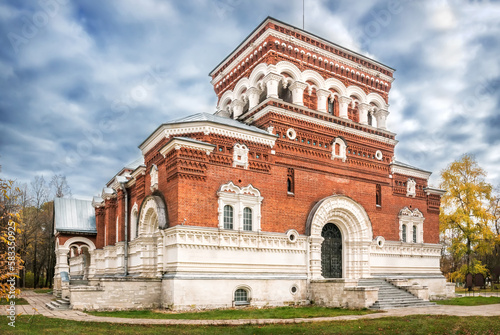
[411, 218]
[342, 149]
[232, 216]
[240, 198]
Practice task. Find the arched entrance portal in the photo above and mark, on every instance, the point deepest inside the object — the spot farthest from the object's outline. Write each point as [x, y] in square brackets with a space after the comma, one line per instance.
[340, 237]
[331, 251]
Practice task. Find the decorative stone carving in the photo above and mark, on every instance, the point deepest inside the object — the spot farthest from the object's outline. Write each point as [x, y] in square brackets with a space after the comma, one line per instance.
[240, 155]
[153, 173]
[271, 81]
[339, 149]
[408, 221]
[297, 89]
[343, 106]
[253, 94]
[291, 134]
[356, 229]
[238, 106]
[322, 99]
[410, 188]
[363, 113]
[381, 116]
[239, 199]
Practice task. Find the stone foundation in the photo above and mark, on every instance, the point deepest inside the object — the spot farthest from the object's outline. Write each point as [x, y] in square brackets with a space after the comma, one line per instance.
[342, 293]
[117, 294]
[198, 294]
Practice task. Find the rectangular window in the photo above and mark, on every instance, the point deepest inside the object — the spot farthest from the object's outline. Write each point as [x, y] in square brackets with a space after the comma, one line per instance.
[247, 219]
[378, 196]
[404, 233]
[414, 234]
[228, 217]
[290, 181]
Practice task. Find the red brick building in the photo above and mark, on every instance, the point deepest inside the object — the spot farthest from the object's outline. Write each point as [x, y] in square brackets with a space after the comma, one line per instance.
[290, 184]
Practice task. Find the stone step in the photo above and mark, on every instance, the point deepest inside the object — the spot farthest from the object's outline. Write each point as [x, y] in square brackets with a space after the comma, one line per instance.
[60, 304]
[391, 296]
[78, 282]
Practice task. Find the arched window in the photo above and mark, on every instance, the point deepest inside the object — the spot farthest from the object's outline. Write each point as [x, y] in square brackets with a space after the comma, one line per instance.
[331, 107]
[228, 217]
[370, 119]
[247, 219]
[241, 297]
[411, 225]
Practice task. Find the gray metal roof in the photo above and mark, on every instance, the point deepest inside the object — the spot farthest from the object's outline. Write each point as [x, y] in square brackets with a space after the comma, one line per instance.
[207, 117]
[136, 163]
[189, 139]
[396, 162]
[73, 215]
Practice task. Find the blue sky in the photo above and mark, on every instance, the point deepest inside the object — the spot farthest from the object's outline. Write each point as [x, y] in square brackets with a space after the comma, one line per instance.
[84, 83]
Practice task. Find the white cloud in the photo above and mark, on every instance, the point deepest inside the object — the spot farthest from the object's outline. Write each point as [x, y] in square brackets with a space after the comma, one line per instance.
[68, 78]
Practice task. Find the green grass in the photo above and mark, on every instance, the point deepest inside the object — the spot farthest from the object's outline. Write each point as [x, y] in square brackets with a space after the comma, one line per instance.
[418, 324]
[43, 290]
[233, 314]
[18, 301]
[470, 301]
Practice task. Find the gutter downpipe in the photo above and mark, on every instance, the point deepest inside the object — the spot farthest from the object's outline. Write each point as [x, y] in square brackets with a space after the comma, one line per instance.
[125, 256]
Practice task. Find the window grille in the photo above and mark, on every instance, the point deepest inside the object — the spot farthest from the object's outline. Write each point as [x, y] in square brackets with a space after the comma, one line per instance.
[228, 217]
[247, 219]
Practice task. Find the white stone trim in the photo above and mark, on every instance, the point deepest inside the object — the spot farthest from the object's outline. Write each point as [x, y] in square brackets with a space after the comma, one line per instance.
[355, 226]
[291, 134]
[407, 171]
[153, 173]
[333, 57]
[342, 149]
[292, 235]
[240, 198]
[240, 155]
[206, 128]
[193, 237]
[73, 240]
[411, 218]
[178, 143]
[331, 125]
[148, 222]
[401, 249]
[410, 188]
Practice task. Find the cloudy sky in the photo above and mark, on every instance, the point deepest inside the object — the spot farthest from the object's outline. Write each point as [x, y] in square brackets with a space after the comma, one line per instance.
[84, 83]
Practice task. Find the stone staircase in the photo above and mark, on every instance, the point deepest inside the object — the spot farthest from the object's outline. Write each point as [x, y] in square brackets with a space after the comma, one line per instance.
[78, 282]
[390, 296]
[59, 304]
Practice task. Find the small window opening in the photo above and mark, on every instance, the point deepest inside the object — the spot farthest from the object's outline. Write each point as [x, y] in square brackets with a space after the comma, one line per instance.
[404, 233]
[241, 297]
[378, 196]
[290, 183]
[414, 234]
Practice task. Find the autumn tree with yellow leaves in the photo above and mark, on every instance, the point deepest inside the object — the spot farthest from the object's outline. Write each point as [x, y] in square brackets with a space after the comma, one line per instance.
[466, 217]
[10, 261]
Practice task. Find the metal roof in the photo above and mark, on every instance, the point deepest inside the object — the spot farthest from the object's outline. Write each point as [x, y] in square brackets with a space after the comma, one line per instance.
[73, 215]
[189, 139]
[207, 117]
[396, 162]
[136, 163]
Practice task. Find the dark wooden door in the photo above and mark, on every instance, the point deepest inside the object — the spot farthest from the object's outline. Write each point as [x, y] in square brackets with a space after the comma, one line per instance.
[331, 252]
